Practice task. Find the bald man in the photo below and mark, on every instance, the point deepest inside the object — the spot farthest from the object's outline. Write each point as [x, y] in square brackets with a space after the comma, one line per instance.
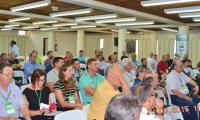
[106, 90]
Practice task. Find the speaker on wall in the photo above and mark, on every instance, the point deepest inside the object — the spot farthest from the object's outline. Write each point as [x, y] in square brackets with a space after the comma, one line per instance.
[115, 41]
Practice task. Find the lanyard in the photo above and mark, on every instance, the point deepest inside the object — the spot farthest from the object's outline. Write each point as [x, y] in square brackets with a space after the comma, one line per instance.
[39, 96]
[6, 99]
[179, 78]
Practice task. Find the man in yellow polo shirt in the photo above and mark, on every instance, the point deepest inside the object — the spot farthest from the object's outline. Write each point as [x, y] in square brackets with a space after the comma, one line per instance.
[106, 90]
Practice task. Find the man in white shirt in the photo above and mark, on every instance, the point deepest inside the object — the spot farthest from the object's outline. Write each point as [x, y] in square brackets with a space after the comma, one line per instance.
[147, 98]
[52, 76]
[14, 48]
[128, 72]
[176, 82]
[101, 64]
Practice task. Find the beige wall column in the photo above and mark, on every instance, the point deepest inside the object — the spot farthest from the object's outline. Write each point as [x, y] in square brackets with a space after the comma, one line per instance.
[121, 41]
[80, 41]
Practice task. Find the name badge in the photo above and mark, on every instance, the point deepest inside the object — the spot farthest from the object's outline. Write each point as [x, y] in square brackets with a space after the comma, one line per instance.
[10, 108]
[71, 99]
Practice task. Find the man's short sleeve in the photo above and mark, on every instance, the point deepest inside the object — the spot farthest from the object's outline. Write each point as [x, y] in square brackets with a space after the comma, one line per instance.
[49, 77]
[171, 82]
[185, 77]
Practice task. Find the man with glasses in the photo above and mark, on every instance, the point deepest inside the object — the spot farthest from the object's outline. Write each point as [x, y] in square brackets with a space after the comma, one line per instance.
[176, 82]
[147, 98]
[12, 101]
[30, 65]
[106, 90]
[4, 58]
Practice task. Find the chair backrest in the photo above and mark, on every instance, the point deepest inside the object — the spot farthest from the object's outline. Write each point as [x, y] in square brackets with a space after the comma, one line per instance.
[53, 97]
[70, 115]
[81, 99]
[24, 87]
[174, 115]
[161, 94]
[19, 73]
[85, 110]
[168, 94]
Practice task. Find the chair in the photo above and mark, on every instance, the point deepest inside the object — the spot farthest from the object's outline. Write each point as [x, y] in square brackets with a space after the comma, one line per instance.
[174, 115]
[160, 94]
[81, 99]
[53, 97]
[70, 115]
[23, 87]
[18, 75]
[85, 110]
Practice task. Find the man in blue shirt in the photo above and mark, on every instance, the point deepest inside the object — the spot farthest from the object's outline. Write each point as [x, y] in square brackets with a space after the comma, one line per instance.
[80, 57]
[89, 81]
[30, 66]
[135, 62]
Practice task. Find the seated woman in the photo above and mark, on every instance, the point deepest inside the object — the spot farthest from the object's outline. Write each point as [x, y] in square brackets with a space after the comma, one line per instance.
[37, 93]
[66, 91]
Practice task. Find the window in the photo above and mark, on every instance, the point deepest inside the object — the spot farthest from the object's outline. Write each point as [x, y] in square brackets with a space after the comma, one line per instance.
[101, 43]
[20, 32]
[136, 48]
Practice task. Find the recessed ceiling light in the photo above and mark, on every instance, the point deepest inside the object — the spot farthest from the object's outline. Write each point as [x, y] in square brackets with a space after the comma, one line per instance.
[64, 24]
[167, 29]
[189, 15]
[11, 25]
[44, 22]
[19, 19]
[135, 23]
[30, 27]
[44, 29]
[31, 5]
[72, 12]
[182, 10]
[116, 20]
[96, 17]
[83, 26]
[163, 2]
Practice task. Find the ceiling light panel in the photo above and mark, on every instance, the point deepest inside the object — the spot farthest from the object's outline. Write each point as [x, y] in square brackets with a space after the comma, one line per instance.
[97, 17]
[116, 20]
[135, 23]
[30, 27]
[44, 22]
[7, 26]
[19, 19]
[31, 5]
[167, 29]
[44, 29]
[196, 19]
[73, 12]
[163, 2]
[189, 15]
[64, 24]
[182, 10]
[6, 29]
[83, 26]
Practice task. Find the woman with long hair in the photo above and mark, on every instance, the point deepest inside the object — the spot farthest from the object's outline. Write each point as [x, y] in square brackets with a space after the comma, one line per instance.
[65, 90]
[36, 94]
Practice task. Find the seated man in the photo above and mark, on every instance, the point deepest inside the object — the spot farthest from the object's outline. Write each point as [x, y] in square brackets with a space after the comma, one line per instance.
[128, 72]
[14, 62]
[78, 72]
[89, 81]
[12, 101]
[47, 61]
[30, 66]
[102, 64]
[176, 83]
[146, 96]
[122, 102]
[81, 57]
[4, 58]
[52, 76]
[106, 90]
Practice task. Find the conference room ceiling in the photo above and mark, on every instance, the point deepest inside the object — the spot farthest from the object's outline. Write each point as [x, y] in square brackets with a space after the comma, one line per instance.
[43, 14]
[155, 10]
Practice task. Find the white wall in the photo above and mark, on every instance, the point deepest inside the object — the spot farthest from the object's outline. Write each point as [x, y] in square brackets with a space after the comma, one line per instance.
[66, 41]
